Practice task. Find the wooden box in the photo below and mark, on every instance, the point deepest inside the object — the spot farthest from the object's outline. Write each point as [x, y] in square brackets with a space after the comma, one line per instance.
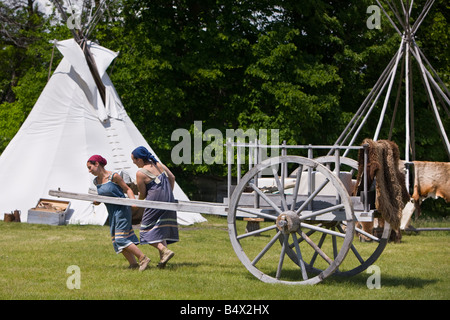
[48, 211]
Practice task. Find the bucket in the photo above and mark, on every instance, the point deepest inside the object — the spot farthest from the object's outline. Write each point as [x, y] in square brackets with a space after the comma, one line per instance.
[9, 217]
[17, 215]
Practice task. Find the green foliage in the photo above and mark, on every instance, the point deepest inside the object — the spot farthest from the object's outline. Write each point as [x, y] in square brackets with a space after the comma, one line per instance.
[303, 67]
[435, 208]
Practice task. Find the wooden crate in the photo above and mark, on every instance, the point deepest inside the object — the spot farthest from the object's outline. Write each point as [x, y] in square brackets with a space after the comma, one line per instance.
[49, 211]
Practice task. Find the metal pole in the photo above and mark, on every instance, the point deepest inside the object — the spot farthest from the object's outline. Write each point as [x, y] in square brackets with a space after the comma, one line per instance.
[238, 171]
[366, 202]
[257, 159]
[311, 183]
[337, 170]
[229, 151]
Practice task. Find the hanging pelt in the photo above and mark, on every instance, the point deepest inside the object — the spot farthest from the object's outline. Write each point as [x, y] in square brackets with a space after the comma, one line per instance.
[391, 192]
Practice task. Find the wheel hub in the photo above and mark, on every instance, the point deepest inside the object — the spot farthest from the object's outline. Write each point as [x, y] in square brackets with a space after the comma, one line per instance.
[288, 222]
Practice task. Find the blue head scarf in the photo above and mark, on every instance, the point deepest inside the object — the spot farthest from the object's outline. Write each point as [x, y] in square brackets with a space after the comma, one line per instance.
[142, 153]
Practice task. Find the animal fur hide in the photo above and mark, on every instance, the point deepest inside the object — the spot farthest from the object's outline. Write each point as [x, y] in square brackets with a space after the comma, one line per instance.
[391, 192]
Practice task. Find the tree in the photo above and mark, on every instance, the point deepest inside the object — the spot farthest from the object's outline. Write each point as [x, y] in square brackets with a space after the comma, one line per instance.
[20, 21]
[303, 67]
[25, 58]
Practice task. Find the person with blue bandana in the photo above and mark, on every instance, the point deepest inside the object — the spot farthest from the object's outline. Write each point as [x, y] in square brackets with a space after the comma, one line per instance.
[155, 181]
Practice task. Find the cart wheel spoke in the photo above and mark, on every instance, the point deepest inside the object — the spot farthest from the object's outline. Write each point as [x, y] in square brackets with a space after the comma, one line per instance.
[299, 256]
[319, 212]
[364, 254]
[316, 253]
[323, 230]
[283, 252]
[368, 235]
[298, 178]
[316, 248]
[280, 187]
[266, 198]
[312, 196]
[266, 248]
[354, 250]
[357, 255]
[257, 213]
[256, 232]
[335, 250]
[309, 233]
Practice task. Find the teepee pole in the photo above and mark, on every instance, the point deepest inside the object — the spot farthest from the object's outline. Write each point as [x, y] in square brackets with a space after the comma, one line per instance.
[431, 81]
[362, 109]
[433, 103]
[407, 116]
[397, 99]
[384, 83]
[407, 86]
[445, 95]
[394, 9]
[383, 111]
[422, 16]
[80, 39]
[438, 88]
[389, 18]
[411, 112]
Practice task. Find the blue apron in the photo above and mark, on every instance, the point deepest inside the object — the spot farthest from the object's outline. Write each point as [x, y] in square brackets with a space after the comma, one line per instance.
[122, 234]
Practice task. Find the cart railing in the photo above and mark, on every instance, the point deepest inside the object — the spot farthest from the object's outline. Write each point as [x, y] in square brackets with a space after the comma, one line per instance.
[257, 152]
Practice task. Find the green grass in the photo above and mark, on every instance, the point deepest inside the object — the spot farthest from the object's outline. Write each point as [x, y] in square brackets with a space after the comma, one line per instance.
[34, 260]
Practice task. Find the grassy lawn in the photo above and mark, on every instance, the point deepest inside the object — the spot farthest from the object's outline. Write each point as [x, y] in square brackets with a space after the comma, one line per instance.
[34, 260]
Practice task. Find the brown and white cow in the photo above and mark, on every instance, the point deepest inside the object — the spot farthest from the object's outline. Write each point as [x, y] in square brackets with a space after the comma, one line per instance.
[431, 179]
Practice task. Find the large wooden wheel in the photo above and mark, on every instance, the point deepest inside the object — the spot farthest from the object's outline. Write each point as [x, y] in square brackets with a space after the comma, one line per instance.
[365, 252]
[298, 223]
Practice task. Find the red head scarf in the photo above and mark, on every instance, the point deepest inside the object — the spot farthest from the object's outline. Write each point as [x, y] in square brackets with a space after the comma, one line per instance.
[99, 159]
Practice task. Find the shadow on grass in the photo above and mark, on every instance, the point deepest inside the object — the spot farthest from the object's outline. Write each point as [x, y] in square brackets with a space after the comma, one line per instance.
[386, 281]
[153, 266]
[176, 265]
[360, 280]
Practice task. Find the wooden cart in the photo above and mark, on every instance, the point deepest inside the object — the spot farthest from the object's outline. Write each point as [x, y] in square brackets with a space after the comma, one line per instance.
[310, 217]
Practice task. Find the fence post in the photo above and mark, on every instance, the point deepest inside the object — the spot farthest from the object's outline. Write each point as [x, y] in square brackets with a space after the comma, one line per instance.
[229, 153]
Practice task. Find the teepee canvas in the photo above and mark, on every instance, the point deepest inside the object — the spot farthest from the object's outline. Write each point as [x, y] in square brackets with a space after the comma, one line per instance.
[70, 122]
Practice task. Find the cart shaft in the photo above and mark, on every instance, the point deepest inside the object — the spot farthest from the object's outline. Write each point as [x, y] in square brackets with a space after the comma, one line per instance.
[186, 206]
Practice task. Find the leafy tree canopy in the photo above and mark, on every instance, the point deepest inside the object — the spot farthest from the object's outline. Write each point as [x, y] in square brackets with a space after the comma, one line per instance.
[303, 67]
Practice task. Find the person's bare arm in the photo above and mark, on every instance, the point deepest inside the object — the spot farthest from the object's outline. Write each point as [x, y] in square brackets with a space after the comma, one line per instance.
[170, 175]
[126, 189]
[140, 182]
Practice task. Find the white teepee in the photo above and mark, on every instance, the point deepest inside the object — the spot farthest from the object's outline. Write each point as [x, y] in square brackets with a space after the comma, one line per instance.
[67, 125]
